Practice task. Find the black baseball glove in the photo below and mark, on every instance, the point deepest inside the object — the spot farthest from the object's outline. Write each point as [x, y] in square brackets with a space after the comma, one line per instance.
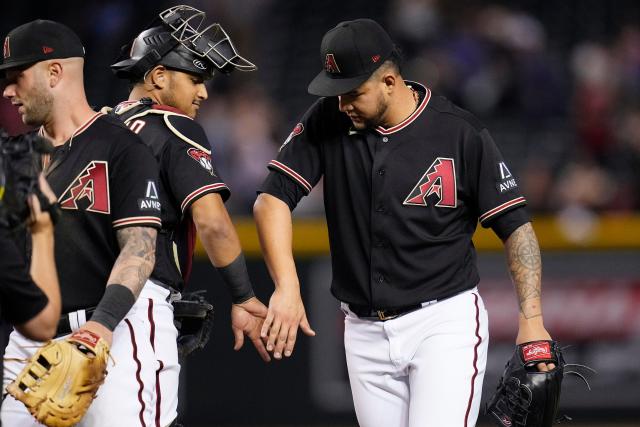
[525, 396]
[193, 317]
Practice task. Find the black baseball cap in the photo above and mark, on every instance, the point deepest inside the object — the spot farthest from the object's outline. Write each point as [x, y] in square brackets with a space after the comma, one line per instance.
[37, 41]
[350, 53]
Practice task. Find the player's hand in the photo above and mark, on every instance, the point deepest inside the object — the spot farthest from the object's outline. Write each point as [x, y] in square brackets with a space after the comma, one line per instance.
[100, 330]
[39, 221]
[286, 314]
[46, 189]
[534, 330]
[247, 319]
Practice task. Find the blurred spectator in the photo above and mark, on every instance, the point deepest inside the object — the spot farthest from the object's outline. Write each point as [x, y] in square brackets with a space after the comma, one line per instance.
[568, 98]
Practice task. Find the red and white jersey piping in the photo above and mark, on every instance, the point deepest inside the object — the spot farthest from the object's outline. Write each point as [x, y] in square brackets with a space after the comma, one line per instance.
[495, 211]
[406, 122]
[78, 131]
[293, 174]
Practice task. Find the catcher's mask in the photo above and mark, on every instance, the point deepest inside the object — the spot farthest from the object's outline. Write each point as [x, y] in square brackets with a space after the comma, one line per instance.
[178, 39]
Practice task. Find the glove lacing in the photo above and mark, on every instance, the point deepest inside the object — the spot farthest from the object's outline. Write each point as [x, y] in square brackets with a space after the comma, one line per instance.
[517, 399]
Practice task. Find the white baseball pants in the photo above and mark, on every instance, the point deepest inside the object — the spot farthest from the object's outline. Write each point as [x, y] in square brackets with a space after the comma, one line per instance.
[141, 388]
[422, 369]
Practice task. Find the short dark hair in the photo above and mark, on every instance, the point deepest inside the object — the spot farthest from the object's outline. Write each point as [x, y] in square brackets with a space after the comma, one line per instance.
[396, 59]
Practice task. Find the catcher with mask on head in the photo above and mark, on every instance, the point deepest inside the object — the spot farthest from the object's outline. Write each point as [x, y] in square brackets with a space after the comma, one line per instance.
[167, 65]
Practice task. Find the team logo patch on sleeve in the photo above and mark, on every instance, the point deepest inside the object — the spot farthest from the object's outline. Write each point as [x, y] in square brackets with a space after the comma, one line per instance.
[507, 181]
[202, 158]
[438, 184]
[297, 130]
[91, 187]
[150, 201]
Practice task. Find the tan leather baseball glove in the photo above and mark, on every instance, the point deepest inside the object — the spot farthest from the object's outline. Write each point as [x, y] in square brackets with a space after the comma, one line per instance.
[61, 380]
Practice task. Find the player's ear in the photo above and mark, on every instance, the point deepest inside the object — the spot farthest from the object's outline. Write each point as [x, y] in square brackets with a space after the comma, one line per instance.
[53, 70]
[157, 77]
[390, 80]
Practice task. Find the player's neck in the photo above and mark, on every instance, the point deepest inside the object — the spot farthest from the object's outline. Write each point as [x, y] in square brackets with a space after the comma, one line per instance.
[401, 106]
[65, 121]
[139, 91]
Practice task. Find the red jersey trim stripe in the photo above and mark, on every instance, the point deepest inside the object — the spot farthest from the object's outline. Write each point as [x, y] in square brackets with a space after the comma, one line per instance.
[293, 174]
[137, 220]
[207, 188]
[78, 131]
[87, 124]
[406, 122]
[502, 207]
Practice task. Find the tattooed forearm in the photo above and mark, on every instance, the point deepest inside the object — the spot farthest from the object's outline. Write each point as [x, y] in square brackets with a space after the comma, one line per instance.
[525, 267]
[136, 259]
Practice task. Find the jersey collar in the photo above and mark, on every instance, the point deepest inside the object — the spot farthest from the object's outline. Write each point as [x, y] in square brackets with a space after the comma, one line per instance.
[78, 131]
[406, 122]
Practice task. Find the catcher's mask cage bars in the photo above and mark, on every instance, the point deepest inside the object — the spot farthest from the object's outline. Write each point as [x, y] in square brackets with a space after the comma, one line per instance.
[186, 23]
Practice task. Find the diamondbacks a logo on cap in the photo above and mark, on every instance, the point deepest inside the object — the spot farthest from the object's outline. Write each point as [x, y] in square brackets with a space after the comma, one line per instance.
[7, 49]
[330, 64]
[375, 58]
[47, 49]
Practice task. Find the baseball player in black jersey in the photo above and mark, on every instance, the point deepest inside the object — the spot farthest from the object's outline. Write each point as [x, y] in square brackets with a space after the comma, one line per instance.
[407, 176]
[105, 179]
[167, 72]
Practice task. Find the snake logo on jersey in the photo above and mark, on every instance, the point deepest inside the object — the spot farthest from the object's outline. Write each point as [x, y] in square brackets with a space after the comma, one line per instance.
[203, 158]
[439, 179]
[91, 184]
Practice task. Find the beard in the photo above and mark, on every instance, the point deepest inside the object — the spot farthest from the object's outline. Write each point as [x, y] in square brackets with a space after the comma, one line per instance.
[39, 106]
[377, 119]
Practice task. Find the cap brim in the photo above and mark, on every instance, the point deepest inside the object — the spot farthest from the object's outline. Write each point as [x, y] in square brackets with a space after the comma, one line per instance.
[323, 85]
[15, 64]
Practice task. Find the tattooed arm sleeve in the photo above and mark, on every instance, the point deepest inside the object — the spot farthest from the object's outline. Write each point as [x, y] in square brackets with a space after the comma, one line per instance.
[136, 259]
[525, 267]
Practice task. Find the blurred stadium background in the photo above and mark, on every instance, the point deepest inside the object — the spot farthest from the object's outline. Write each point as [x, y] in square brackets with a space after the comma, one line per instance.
[558, 84]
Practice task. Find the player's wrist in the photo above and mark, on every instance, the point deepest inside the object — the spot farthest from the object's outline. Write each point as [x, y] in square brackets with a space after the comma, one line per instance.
[236, 277]
[114, 306]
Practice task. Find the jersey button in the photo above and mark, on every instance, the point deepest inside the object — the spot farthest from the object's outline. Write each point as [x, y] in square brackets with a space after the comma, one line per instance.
[385, 139]
[381, 279]
[381, 172]
[381, 209]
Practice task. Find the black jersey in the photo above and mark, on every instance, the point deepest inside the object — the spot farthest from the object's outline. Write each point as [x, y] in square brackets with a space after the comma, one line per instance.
[105, 179]
[187, 173]
[20, 298]
[402, 203]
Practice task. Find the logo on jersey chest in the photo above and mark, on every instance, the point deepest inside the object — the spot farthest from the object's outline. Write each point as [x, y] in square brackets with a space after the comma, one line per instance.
[91, 187]
[438, 184]
[202, 158]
